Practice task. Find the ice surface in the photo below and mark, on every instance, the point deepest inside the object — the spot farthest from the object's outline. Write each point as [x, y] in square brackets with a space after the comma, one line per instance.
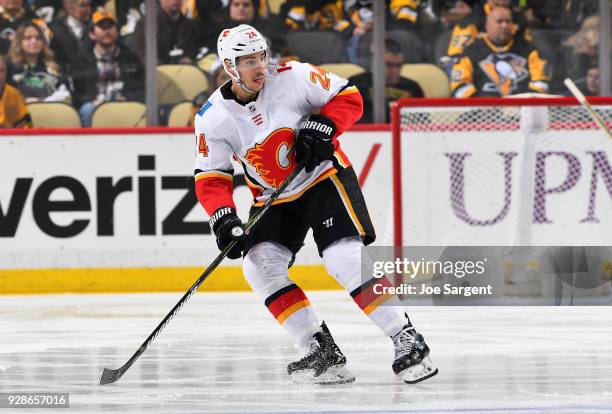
[225, 353]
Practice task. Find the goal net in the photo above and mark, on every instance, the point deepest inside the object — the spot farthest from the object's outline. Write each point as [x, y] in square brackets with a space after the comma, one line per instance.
[502, 172]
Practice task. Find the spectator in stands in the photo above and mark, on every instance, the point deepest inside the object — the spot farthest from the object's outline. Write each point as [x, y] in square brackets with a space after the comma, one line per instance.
[498, 63]
[581, 49]
[214, 11]
[317, 15]
[468, 29]
[250, 12]
[51, 10]
[451, 12]
[241, 12]
[559, 14]
[589, 85]
[592, 82]
[106, 72]
[70, 31]
[362, 16]
[32, 69]
[13, 110]
[177, 36]
[129, 13]
[209, 15]
[12, 15]
[403, 14]
[396, 86]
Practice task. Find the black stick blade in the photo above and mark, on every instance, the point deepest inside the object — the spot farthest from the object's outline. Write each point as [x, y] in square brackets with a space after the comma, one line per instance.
[110, 375]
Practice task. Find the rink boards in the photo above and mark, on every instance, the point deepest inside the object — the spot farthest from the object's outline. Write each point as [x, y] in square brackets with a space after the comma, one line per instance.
[114, 211]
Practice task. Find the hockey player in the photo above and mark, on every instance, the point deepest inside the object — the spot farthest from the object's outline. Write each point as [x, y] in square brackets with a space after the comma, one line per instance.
[270, 118]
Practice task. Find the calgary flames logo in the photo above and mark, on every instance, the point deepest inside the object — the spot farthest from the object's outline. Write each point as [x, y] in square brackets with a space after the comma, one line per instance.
[273, 159]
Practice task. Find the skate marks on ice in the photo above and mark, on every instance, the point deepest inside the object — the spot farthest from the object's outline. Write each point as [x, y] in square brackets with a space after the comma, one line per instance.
[225, 353]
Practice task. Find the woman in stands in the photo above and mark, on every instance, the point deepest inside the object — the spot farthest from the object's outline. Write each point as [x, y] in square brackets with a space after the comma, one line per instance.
[255, 13]
[582, 48]
[32, 68]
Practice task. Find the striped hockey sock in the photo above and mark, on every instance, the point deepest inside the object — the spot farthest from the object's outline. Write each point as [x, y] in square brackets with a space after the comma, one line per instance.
[292, 310]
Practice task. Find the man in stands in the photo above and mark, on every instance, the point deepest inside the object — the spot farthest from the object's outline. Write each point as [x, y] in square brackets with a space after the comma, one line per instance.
[106, 72]
[12, 15]
[498, 63]
[469, 28]
[396, 86]
[177, 35]
[70, 32]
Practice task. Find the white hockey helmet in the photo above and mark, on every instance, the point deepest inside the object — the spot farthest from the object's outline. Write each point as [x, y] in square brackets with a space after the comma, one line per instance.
[239, 41]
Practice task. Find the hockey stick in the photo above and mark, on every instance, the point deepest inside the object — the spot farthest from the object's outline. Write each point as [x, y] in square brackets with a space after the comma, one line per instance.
[113, 375]
[586, 105]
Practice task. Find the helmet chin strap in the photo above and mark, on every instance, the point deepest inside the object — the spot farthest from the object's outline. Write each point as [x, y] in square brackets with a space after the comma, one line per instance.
[239, 81]
[243, 86]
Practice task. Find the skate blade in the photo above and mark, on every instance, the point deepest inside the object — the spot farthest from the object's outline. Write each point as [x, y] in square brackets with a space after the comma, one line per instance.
[419, 372]
[338, 374]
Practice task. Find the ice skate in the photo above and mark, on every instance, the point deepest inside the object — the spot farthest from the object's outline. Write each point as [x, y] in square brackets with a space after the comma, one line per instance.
[323, 363]
[412, 363]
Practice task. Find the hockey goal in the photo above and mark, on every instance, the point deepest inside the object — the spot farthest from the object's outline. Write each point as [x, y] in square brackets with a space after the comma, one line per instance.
[501, 172]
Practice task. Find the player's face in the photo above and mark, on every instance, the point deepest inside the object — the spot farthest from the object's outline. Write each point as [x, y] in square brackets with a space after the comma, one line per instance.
[499, 26]
[252, 69]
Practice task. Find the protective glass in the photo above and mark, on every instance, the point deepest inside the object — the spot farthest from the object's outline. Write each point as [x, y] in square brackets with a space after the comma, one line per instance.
[254, 61]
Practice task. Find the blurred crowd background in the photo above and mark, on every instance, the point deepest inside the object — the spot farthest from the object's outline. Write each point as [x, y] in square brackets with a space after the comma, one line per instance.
[81, 63]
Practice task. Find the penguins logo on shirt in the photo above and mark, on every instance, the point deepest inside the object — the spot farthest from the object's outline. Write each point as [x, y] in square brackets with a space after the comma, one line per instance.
[272, 158]
[505, 71]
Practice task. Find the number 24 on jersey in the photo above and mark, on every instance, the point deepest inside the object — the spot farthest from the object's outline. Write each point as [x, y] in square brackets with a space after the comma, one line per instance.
[320, 75]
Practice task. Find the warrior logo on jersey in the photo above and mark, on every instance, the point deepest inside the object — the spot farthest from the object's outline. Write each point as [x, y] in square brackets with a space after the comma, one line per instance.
[505, 71]
[272, 158]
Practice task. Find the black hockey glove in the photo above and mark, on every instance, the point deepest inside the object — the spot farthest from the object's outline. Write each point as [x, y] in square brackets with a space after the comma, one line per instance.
[314, 143]
[227, 227]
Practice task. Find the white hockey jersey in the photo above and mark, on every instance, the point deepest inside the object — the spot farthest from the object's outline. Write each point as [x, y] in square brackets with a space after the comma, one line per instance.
[261, 134]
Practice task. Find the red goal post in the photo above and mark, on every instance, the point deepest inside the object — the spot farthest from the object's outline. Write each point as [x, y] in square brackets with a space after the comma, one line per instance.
[494, 120]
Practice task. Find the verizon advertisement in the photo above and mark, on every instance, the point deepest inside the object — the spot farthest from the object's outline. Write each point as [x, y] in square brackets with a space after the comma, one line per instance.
[507, 188]
[127, 200]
